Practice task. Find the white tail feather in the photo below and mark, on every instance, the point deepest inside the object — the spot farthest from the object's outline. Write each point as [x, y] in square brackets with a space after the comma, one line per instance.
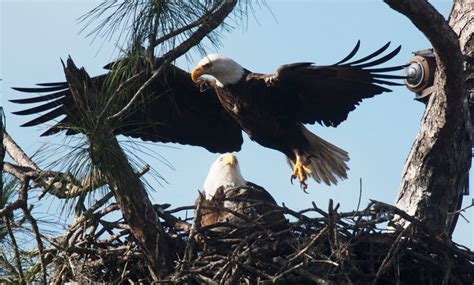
[326, 161]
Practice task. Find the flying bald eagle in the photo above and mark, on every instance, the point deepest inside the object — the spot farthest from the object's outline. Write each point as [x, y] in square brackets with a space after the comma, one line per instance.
[271, 108]
[228, 198]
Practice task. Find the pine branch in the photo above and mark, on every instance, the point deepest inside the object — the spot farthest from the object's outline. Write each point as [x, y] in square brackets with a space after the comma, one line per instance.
[213, 21]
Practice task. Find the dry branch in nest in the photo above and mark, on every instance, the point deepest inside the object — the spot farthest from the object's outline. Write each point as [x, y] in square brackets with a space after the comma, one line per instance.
[328, 247]
[313, 245]
[318, 246]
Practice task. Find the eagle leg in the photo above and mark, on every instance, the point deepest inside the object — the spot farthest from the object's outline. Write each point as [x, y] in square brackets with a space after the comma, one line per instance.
[300, 171]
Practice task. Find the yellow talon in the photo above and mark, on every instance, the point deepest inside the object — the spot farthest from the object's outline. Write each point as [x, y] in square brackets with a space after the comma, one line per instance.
[300, 171]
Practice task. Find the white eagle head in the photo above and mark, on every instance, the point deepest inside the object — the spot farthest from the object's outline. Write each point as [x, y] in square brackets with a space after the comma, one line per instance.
[225, 70]
[225, 171]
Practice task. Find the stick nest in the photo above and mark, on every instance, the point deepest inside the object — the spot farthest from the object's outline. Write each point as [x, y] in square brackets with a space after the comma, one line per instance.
[314, 246]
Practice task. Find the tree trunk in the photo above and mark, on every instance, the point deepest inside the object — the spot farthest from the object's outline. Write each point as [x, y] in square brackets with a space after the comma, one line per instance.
[462, 23]
[437, 167]
[2, 149]
[129, 192]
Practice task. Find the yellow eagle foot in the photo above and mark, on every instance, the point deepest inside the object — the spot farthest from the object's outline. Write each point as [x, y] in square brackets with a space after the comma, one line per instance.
[301, 172]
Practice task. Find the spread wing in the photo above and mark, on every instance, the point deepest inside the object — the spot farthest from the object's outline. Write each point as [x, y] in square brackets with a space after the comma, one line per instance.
[174, 109]
[326, 94]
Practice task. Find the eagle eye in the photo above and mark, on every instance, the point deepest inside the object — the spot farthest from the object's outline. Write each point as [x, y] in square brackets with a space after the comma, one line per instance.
[207, 65]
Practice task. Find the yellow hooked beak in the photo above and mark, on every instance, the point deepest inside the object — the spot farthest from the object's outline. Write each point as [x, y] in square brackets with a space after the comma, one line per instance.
[197, 72]
[229, 159]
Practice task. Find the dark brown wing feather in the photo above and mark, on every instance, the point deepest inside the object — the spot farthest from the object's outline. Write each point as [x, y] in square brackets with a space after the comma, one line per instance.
[252, 202]
[175, 110]
[326, 94]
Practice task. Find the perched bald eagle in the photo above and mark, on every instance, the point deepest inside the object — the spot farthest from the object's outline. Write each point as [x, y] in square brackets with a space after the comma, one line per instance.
[271, 108]
[228, 198]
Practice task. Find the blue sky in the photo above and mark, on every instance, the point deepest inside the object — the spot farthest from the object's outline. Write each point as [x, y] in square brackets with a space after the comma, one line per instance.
[377, 135]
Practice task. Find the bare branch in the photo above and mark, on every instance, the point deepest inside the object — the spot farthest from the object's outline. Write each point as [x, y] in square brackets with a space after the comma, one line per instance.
[436, 170]
[16, 153]
[20, 202]
[212, 22]
[39, 242]
[16, 251]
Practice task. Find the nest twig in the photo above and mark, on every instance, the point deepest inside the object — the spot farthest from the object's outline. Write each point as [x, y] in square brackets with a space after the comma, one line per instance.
[311, 246]
[314, 246]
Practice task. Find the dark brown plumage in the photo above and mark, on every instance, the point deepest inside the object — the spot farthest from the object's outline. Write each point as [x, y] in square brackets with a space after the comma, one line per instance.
[233, 207]
[175, 110]
[270, 108]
